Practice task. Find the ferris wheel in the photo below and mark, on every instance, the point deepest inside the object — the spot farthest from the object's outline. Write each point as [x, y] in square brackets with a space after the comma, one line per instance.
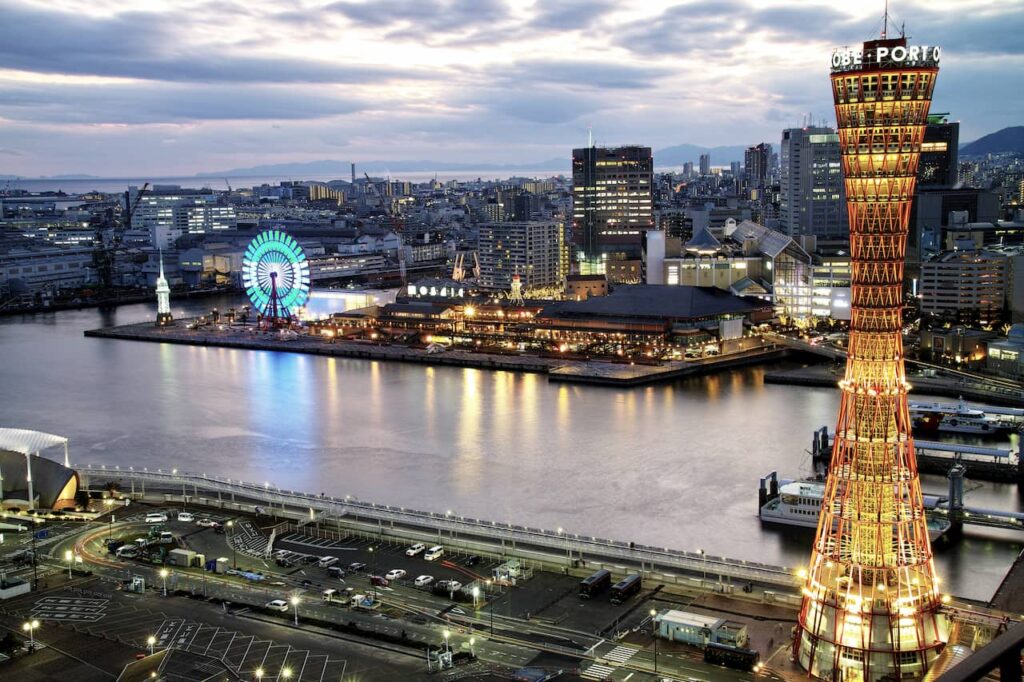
[275, 274]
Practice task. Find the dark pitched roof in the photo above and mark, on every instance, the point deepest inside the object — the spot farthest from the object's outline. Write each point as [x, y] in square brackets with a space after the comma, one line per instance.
[703, 241]
[655, 301]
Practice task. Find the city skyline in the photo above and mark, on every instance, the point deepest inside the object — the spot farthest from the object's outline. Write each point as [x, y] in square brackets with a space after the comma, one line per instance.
[93, 89]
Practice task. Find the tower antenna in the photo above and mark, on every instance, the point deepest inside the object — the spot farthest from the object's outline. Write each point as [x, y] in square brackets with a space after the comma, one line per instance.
[885, 21]
[590, 136]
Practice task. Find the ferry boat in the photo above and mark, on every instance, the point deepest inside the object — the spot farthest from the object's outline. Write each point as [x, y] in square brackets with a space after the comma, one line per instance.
[799, 503]
[956, 418]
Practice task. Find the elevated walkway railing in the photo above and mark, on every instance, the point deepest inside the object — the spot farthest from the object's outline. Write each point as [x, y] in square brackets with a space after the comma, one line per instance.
[306, 504]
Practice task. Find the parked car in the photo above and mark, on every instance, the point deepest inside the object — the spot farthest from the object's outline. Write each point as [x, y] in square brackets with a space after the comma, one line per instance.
[277, 605]
[395, 574]
[415, 549]
[423, 580]
[326, 561]
[336, 571]
[435, 552]
[356, 566]
[447, 586]
[186, 516]
[285, 563]
[378, 580]
[156, 517]
[218, 528]
[472, 559]
[206, 523]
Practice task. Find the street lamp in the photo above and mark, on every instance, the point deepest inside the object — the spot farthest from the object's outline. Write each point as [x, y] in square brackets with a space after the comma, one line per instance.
[163, 574]
[110, 521]
[447, 634]
[69, 557]
[231, 539]
[295, 608]
[151, 642]
[286, 673]
[654, 634]
[490, 607]
[476, 595]
[373, 576]
[472, 647]
[704, 560]
[259, 674]
[30, 628]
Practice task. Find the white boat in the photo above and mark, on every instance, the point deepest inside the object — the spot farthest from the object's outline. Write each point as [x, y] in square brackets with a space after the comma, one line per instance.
[799, 504]
[955, 418]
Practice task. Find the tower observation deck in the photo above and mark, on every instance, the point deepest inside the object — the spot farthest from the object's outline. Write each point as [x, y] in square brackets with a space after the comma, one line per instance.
[871, 596]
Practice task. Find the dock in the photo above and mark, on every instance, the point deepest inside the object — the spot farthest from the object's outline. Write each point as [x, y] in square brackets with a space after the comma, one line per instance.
[621, 374]
[828, 376]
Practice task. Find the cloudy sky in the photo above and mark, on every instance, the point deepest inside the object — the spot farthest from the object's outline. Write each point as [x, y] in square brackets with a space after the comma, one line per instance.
[151, 88]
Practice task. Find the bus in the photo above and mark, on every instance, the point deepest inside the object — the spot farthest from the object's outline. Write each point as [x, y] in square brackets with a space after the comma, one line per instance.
[595, 584]
[626, 588]
[731, 656]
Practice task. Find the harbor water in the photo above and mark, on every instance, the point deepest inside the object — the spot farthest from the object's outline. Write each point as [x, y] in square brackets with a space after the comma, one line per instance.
[674, 465]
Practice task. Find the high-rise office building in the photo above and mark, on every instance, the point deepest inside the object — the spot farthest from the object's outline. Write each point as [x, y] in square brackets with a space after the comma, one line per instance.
[811, 198]
[756, 162]
[871, 600]
[170, 212]
[705, 164]
[939, 153]
[688, 169]
[612, 201]
[535, 250]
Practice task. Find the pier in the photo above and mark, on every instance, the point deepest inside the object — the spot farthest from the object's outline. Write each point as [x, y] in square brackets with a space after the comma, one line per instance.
[555, 368]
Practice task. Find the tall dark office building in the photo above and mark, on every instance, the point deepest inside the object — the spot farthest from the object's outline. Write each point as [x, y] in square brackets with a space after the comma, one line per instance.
[756, 161]
[705, 164]
[939, 153]
[611, 200]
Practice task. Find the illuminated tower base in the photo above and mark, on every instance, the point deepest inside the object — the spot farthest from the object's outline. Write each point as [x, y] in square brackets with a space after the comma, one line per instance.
[871, 598]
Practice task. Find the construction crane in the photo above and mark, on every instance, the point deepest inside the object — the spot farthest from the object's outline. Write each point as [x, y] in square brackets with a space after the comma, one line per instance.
[397, 224]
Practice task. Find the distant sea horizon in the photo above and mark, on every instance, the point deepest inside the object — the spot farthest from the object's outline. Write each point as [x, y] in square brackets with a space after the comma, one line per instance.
[83, 185]
[77, 186]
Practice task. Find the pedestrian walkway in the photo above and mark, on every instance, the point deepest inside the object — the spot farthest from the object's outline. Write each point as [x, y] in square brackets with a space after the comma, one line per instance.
[597, 671]
[620, 654]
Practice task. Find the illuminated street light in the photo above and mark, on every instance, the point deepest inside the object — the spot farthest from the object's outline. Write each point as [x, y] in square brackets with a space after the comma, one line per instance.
[69, 557]
[151, 642]
[259, 674]
[447, 634]
[472, 646]
[295, 608]
[30, 628]
[286, 673]
[654, 634]
[163, 574]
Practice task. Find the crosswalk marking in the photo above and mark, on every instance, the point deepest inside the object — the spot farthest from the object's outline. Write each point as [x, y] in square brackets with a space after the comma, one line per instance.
[620, 654]
[597, 672]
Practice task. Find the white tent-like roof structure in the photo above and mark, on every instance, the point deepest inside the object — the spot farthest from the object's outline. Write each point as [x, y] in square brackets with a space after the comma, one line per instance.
[29, 442]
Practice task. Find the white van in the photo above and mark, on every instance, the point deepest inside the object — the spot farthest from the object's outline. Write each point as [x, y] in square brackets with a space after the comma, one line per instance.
[166, 537]
[435, 552]
[326, 561]
[187, 517]
[156, 517]
[142, 543]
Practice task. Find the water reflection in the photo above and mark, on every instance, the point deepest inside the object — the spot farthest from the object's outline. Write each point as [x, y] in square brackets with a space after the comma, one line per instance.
[673, 465]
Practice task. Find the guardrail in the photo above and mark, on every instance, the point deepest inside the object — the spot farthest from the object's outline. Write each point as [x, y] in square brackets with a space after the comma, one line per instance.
[305, 505]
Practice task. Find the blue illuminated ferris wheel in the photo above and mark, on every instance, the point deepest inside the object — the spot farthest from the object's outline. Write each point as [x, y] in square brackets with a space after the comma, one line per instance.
[275, 274]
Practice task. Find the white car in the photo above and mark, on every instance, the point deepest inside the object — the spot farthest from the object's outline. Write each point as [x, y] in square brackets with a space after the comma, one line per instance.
[206, 523]
[450, 585]
[395, 574]
[424, 580]
[156, 517]
[186, 516]
[277, 605]
[415, 549]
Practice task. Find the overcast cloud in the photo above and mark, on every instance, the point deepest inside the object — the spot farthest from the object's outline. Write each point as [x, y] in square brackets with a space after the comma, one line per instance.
[115, 89]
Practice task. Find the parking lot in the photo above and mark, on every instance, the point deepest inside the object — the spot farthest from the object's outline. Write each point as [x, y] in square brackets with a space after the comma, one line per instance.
[383, 558]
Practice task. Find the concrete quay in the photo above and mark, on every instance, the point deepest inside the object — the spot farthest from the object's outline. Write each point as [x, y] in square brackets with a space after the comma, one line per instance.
[827, 376]
[556, 369]
[546, 549]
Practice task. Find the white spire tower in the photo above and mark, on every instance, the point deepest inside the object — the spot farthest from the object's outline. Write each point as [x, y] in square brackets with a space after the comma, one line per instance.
[163, 298]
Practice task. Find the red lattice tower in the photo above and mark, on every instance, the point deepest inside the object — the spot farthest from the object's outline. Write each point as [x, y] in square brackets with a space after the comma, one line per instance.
[871, 597]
